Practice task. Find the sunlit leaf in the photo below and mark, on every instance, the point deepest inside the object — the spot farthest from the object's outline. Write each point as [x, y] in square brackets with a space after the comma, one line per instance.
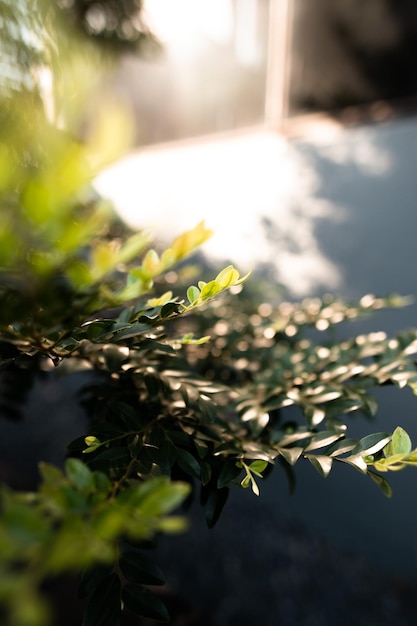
[151, 263]
[291, 455]
[164, 299]
[400, 443]
[323, 439]
[257, 467]
[193, 293]
[323, 464]
[209, 290]
[382, 484]
[357, 461]
[371, 443]
[227, 277]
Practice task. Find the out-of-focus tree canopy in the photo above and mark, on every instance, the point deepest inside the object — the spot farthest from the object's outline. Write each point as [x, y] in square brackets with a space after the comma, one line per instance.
[116, 23]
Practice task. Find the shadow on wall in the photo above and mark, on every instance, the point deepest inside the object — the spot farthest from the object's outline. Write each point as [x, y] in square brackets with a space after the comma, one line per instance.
[371, 174]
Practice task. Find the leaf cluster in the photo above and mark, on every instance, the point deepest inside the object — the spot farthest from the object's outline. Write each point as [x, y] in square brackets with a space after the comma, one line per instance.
[73, 524]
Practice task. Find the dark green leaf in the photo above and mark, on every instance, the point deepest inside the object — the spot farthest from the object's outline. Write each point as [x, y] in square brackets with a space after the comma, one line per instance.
[371, 443]
[214, 500]
[127, 413]
[144, 603]
[341, 447]
[117, 453]
[97, 327]
[91, 577]
[205, 472]
[228, 473]
[133, 330]
[153, 386]
[169, 309]
[201, 447]
[289, 473]
[188, 463]
[382, 483]
[140, 570]
[104, 607]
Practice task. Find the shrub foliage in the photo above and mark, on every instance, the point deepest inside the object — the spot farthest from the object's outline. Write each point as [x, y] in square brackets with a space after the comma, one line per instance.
[187, 387]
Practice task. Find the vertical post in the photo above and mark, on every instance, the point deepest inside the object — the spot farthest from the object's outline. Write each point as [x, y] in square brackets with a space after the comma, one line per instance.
[278, 64]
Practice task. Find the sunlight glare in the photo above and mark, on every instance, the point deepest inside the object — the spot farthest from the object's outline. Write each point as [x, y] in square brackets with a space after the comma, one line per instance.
[185, 25]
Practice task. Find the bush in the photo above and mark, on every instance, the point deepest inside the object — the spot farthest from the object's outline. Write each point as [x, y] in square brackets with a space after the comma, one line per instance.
[186, 386]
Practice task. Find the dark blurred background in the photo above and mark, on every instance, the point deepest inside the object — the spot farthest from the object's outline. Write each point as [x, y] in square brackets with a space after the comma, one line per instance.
[349, 52]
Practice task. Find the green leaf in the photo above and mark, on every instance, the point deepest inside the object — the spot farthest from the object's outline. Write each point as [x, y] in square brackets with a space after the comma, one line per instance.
[213, 500]
[257, 467]
[170, 309]
[227, 277]
[193, 294]
[184, 244]
[255, 488]
[246, 482]
[341, 447]
[151, 264]
[382, 483]
[371, 444]
[391, 463]
[162, 300]
[188, 463]
[116, 453]
[132, 247]
[158, 496]
[104, 607]
[356, 461]
[91, 577]
[79, 474]
[323, 439]
[291, 455]
[228, 473]
[140, 570]
[144, 603]
[323, 464]
[205, 473]
[201, 447]
[127, 413]
[399, 444]
[189, 339]
[50, 474]
[209, 290]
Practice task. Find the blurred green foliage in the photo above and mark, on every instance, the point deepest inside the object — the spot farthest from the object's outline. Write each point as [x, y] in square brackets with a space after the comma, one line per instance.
[183, 400]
